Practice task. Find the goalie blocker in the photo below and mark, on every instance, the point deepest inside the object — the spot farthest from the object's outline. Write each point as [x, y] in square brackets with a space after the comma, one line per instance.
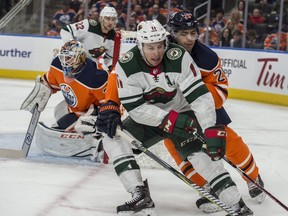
[68, 144]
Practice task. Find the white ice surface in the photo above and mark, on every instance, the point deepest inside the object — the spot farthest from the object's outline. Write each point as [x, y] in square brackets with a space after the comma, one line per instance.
[42, 185]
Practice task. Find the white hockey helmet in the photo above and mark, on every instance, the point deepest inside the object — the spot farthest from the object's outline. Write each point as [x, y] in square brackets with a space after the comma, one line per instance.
[108, 12]
[151, 31]
[73, 58]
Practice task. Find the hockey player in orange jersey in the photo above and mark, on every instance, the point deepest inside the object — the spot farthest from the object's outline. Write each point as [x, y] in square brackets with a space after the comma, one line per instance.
[183, 27]
[83, 86]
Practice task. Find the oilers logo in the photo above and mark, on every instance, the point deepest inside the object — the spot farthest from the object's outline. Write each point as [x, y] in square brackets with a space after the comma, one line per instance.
[69, 95]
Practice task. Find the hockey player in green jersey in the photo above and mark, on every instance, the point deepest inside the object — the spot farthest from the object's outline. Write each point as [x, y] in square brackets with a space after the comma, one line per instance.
[96, 37]
[160, 86]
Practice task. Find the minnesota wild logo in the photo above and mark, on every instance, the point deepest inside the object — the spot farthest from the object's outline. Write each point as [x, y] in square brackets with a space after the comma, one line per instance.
[96, 52]
[126, 57]
[174, 53]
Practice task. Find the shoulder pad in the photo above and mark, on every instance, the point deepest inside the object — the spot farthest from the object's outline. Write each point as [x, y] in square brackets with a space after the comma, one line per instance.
[91, 76]
[201, 53]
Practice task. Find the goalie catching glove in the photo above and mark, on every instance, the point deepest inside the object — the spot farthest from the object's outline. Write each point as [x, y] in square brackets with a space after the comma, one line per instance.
[179, 124]
[215, 145]
[39, 95]
[109, 118]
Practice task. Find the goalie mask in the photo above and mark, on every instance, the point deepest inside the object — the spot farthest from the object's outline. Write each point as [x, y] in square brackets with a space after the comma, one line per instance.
[148, 32]
[73, 58]
[182, 21]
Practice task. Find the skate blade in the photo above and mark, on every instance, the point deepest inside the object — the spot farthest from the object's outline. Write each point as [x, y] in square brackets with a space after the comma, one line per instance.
[144, 212]
[260, 198]
[210, 208]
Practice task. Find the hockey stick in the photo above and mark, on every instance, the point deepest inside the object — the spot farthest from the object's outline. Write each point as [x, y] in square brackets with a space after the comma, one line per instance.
[17, 154]
[245, 175]
[163, 163]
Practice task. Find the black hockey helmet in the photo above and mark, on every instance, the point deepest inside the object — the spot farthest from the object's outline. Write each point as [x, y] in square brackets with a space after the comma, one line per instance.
[182, 20]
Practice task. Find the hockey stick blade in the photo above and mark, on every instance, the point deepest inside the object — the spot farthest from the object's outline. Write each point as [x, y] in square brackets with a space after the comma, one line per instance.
[17, 154]
[12, 153]
[167, 166]
[245, 175]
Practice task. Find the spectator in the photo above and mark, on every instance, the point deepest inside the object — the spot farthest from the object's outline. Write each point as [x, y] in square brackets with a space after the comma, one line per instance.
[80, 13]
[236, 41]
[146, 5]
[225, 38]
[5, 6]
[101, 4]
[212, 36]
[265, 8]
[132, 23]
[251, 38]
[230, 25]
[54, 28]
[79, 18]
[241, 9]
[121, 17]
[236, 17]
[138, 13]
[219, 23]
[256, 17]
[75, 5]
[94, 14]
[156, 15]
[270, 42]
[176, 4]
[66, 15]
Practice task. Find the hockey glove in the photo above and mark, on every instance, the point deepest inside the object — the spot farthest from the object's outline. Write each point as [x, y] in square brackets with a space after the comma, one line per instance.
[86, 124]
[179, 124]
[215, 142]
[39, 95]
[109, 118]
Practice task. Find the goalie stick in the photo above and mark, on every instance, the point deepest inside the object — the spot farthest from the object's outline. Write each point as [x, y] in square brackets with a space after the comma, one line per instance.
[163, 163]
[245, 175]
[17, 154]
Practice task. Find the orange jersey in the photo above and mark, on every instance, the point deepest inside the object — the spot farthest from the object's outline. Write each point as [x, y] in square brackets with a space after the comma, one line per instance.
[79, 93]
[212, 74]
[112, 88]
[270, 41]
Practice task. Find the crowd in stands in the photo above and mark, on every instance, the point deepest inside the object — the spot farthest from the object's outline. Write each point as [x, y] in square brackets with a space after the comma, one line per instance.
[225, 28]
[6, 5]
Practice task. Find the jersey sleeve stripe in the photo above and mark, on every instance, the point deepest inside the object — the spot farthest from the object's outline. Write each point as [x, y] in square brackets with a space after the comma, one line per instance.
[133, 105]
[131, 98]
[70, 30]
[223, 90]
[195, 84]
[198, 92]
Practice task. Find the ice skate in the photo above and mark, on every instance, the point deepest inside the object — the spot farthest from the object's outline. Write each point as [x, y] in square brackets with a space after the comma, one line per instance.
[255, 192]
[140, 205]
[206, 205]
[241, 209]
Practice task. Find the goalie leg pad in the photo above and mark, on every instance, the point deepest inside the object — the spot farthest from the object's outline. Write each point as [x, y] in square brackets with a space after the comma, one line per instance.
[65, 144]
[60, 110]
[39, 95]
